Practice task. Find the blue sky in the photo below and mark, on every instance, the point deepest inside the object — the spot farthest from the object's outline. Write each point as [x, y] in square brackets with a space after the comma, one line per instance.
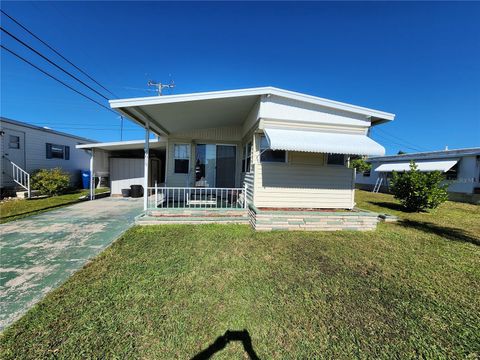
[420, 61]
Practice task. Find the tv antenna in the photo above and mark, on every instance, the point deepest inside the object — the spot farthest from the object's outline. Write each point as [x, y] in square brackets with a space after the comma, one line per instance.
[159, 86]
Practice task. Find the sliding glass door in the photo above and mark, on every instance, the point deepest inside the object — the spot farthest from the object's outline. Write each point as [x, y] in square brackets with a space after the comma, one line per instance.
[225, 177]
[215, 165]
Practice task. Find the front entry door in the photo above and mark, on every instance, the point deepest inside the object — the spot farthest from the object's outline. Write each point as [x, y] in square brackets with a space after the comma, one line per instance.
[225, 174]
[13, 151]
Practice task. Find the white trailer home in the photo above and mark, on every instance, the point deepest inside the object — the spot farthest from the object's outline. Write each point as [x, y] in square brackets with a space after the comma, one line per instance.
[271, 157]
[461, 168]
[26, 148]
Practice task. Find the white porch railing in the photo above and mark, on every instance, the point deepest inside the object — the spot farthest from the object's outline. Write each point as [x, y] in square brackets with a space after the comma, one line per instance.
[21, 177]
[195, 198]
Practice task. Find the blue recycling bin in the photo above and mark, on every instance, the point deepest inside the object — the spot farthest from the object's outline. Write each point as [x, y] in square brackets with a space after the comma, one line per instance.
[85, 178]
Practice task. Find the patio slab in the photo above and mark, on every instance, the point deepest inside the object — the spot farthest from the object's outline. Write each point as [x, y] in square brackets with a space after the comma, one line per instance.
[40, 252]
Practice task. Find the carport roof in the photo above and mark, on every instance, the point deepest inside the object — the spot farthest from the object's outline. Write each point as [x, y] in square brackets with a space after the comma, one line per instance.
[124, 145]
[173, 113]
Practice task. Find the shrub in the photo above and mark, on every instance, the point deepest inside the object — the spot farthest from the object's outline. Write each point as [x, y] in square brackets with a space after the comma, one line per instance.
[50, 181]
[419, 191]
[360, 165]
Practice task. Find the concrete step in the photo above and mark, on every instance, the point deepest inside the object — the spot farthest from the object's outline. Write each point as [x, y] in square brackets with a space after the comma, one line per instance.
[23, 194]
[159, 220]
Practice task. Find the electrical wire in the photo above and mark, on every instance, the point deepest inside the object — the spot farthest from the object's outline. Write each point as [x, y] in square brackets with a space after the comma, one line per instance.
[52, 62]
[54, 78]
[58, 53]
[400, 139]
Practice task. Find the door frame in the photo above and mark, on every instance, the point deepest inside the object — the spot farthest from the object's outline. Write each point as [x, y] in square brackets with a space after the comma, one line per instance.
[216, 144]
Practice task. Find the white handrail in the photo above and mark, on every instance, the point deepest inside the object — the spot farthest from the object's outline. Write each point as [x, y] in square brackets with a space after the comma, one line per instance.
[21, 177]
[196, 198]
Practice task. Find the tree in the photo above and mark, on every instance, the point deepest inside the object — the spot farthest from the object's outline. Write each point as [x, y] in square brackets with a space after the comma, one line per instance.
[360, 165]
[419, 191]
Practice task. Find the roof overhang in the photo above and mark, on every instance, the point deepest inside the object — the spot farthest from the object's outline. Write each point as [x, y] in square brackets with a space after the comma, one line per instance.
[124, 145]
[322, 142]
[423, 166]
[173, 113]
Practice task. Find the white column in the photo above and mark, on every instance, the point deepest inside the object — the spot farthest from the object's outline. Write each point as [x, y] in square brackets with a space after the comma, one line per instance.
[145, 172]
[92, 179]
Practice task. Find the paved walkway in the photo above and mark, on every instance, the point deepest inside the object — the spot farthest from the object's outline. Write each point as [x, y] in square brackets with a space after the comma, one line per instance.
[40, 252]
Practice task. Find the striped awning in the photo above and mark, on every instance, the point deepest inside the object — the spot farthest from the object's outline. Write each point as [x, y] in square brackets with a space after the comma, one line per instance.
[322, 142]
[424, 166]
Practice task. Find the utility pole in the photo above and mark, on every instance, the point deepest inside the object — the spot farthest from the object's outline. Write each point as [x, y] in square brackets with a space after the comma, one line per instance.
[159, 86]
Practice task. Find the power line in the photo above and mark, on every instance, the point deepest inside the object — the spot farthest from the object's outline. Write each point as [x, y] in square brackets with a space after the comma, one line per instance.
[396, 143]
[56, 52]
[54, 78]
[52, 62]
[400, 139]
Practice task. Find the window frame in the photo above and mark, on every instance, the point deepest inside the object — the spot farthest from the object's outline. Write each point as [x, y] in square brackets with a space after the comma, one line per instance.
[262, 151]
[15, 142]
[64, 148]
[343, 163]
[188, 158]
[452, 173]
[247, 157]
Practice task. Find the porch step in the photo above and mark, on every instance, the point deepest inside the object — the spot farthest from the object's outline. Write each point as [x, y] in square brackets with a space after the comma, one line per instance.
[159, 220]
[23, 194]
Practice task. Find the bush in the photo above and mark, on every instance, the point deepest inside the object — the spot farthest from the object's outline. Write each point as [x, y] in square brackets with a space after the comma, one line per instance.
[419, 191]
[360, 165]
[50, 181]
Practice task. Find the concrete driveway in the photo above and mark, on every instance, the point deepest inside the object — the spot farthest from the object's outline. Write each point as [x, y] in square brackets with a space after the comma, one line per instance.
[40, 252]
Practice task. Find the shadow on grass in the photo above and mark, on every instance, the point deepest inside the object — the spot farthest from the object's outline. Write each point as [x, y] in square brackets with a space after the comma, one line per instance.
[221, 342]
[446, 232]
[389, 205]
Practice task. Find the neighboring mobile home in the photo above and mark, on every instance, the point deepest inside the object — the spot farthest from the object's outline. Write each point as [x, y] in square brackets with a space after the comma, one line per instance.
[271, 150]
[461, 168]
[26, 148]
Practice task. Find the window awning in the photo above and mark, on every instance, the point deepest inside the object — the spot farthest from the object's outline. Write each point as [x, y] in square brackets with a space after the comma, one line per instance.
[322, 142]
[423, 166]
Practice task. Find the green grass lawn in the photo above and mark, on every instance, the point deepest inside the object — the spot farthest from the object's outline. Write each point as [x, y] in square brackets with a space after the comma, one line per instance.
[19, 208]
[407, 290]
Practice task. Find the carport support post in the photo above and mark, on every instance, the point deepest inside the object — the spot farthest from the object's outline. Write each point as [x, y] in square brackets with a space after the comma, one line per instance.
[145, 173]
[92, 179]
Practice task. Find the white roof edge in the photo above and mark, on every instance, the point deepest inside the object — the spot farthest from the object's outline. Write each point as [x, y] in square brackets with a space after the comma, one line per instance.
[116, 143]
[155, 100]
[428, 155]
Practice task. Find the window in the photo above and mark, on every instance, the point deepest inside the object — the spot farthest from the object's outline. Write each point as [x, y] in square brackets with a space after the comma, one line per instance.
[181, 158]
[336, 159]
[14, 142]
[247, 157]
[366, 173]
[452, 174]
[267, 155]
[55, 151]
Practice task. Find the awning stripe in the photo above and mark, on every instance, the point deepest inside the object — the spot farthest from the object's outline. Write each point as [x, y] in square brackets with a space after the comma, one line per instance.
[423, 166]
[322, 142]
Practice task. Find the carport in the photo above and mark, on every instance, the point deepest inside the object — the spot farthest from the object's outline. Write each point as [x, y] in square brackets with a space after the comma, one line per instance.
[123, 163]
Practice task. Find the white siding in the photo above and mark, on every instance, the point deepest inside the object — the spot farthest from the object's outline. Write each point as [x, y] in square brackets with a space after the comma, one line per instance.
[275, 107]
[35, 151]
[292, 185]
[125, 172]
[249, 182]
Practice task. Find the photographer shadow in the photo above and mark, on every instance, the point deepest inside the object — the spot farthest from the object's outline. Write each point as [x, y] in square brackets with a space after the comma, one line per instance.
[221, 342]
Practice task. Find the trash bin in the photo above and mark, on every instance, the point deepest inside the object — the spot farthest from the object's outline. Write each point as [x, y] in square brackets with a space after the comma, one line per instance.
[126, 192]
[136, 191]
[85, 178]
